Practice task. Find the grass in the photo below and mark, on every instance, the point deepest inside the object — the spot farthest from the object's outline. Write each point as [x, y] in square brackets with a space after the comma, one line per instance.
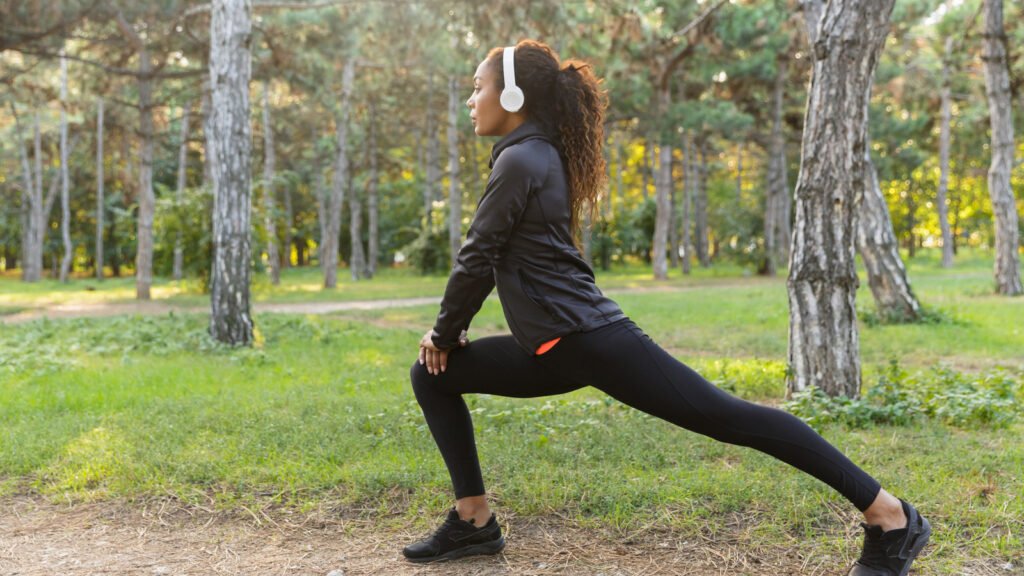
[130, 407]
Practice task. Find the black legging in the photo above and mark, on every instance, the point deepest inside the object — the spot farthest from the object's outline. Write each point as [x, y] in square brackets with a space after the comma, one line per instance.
[622, 361]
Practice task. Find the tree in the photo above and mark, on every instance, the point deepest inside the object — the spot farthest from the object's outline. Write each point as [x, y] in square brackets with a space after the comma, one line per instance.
[269, 163]
[230, 138]
[822, 282]
[1004, 206]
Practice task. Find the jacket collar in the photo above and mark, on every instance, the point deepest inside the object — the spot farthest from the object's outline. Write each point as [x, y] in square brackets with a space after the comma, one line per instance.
[528, 129]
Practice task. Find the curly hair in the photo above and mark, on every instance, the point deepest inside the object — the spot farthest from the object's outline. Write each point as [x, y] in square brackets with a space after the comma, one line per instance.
[567, 101]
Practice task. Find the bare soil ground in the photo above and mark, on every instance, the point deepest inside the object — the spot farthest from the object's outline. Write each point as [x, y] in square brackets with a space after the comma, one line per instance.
[164, 537]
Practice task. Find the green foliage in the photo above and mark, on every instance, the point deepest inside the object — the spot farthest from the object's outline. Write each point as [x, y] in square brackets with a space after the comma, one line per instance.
[992, 399]
[190, 219]
[429, 252]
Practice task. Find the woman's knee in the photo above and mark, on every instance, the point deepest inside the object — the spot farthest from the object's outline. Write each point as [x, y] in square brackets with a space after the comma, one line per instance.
[419, 377]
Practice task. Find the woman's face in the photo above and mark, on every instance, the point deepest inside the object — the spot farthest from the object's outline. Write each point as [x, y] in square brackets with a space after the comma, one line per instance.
[489, 118]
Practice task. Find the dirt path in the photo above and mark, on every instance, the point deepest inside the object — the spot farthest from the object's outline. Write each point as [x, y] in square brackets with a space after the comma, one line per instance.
[157, 307]
[161, 537]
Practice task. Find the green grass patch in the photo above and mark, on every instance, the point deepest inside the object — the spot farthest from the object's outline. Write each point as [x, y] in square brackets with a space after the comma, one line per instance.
[322, 412]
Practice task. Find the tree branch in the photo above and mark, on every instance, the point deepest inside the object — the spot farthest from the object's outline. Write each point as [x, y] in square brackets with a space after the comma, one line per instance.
[117, 70]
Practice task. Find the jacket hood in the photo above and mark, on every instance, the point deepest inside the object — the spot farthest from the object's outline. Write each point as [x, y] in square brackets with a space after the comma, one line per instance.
[528, 129]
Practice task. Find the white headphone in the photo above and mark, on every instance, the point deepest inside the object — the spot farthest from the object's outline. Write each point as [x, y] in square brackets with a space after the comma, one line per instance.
[511, 97]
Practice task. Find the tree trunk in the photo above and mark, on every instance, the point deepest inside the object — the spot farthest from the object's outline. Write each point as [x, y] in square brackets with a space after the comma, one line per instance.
[776, 213]
[336, 199]
[65, 206]
[357, 261]
[231, 141]
[43, 210]
[289, 229]
[673, 224]
[944, 126]
[879, 249]
[701, 205]
[662, 182]
[431, 154]
[180, 192]
[688, 185]
[822, 284]
[147, 201]
[1004, 206]
[372, 208]
[209, 159]
[454, 184]
[269, 161]
[100, 201]
[32, 253]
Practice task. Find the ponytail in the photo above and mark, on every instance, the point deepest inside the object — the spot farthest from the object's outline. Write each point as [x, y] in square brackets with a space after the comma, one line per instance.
[568, 103]
[580, 105]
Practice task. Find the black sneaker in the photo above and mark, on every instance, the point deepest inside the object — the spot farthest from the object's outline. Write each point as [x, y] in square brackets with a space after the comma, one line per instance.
[891, 553]
[457, 538]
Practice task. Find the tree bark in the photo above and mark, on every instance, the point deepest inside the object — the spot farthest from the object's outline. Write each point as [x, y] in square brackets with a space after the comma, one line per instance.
[432, 191]
[662, 182]
[147, 201]
[945, 119]
[701, 205]
[777, 204]
[231, 140]
[269, 162]
[372, 209]
[822, 284]
[65, 206]
[1004, 206]
[673, 223]
[357, 262]
[337, 197]
[32, 252]
[454, 183]
[688, 184]
[879, 249]
[180, 192]
[100, 200]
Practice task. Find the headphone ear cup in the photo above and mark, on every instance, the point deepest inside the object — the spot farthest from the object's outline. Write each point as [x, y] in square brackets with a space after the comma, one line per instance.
[512, 98]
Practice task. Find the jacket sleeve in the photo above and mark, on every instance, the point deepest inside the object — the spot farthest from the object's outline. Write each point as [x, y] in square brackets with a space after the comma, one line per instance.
[472, 276]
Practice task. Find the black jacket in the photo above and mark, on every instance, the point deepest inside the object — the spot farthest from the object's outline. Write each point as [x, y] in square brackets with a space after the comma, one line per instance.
[520, 241]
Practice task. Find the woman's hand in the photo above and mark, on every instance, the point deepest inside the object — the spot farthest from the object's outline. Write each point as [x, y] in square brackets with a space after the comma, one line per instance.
[435, 358]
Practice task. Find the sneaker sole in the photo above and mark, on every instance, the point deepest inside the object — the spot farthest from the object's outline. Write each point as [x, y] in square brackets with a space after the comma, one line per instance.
[492, 547]
[919, 543]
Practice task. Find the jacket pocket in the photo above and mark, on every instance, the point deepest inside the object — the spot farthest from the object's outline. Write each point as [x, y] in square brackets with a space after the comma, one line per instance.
[534, 297]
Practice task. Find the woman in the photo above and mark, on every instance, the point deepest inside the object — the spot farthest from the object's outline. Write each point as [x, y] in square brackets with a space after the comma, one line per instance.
[566, 334]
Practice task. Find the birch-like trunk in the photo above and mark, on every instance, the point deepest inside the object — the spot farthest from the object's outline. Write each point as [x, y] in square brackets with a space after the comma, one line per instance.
[372, 209]
[822, 284]
[688, 185]
[776, 212]
[454, 183]
[32, 246]
[334, 202]
[432, 156]
[65, 200]
[879, 249]
[357, 262]
[269, 166]
[1004, 206]
[176, 272]
[230, 138]
[662, 182]
[673, 224]
[945, 118]
[100, 199]
[28, 190]
[147, 201]
[701, 205]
